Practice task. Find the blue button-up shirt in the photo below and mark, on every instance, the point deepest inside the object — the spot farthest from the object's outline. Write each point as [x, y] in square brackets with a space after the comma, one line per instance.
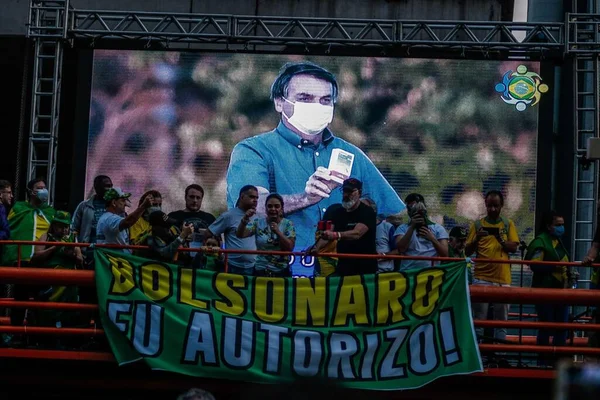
[282, 162]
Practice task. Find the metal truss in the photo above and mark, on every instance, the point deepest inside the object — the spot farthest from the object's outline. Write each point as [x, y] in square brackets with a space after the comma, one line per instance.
[252, 30]
[54, 23]
[585, 186]
[48, 25]
[582, 42]
[584, 34]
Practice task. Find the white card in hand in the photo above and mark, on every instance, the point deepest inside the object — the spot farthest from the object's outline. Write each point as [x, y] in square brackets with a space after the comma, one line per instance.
[340, 165]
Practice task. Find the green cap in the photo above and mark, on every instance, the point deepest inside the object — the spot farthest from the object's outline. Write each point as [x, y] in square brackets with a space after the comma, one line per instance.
[63, 217]
[115, 193]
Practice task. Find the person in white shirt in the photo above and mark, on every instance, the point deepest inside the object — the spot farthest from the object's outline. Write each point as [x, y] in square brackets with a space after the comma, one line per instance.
[420, 236]
[112, 227]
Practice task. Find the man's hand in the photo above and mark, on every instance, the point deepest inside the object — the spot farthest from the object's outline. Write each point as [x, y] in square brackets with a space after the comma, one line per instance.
[426, 233]
[330, 235]
[320, 185]
[587, 261]
[249, 214]
[481, 233]
[417, 220]
[187, 231]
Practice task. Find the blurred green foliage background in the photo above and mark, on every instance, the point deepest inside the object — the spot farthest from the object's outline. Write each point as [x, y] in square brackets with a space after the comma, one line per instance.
[164, 120]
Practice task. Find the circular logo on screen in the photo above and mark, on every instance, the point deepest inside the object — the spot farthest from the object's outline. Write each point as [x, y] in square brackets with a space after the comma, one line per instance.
[521, 88]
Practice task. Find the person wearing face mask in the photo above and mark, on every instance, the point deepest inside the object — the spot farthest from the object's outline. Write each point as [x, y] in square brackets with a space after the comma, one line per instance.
[293, 159]
[548, 246]
[354, 228]
[28, 220]
[139, 232]
[420, 237]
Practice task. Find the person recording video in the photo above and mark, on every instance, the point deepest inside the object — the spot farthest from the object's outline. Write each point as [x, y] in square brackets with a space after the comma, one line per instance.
[420, 236]
[272, 233]
[492, 237]
[166, 238]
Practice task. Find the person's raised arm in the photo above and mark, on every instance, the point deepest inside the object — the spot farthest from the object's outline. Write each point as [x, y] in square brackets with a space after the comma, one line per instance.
[248, 166]
[136, 214]
[403, 241]
[318, 186]
[242, 231]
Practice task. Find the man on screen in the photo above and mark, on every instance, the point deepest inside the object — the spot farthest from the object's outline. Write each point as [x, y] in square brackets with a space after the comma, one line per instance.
[294, 158]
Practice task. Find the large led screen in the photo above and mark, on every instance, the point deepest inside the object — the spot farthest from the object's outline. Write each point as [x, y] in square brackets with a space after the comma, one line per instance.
[448, 129]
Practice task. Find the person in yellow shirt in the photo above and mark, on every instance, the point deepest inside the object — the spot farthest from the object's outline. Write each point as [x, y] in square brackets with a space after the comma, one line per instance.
[492, 237]
[139, 232]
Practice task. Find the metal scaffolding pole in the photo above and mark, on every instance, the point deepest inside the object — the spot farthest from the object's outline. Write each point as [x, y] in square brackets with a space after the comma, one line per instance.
[48, 28]
[53, 23]
[586, 173]
[583, 42]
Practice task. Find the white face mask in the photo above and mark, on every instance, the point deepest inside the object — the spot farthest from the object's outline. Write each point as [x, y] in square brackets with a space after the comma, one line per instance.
[310, 118]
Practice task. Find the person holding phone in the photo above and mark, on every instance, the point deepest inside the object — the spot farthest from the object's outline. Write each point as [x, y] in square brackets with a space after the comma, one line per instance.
[166, 238]
[420, 237]
[272, 233]
[492, 237]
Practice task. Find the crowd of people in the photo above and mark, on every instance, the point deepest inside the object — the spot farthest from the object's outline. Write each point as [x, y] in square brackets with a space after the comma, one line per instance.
[311, 205]
[350, 227]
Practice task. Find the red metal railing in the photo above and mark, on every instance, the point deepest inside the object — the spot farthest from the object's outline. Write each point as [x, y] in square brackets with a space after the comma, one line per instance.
[513, 295]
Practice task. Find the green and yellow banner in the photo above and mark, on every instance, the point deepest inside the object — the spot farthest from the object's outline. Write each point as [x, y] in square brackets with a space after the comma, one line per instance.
[389, 331]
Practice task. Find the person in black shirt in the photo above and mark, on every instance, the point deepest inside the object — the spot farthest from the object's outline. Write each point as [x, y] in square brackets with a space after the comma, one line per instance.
[201, 220]
[354, 228]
